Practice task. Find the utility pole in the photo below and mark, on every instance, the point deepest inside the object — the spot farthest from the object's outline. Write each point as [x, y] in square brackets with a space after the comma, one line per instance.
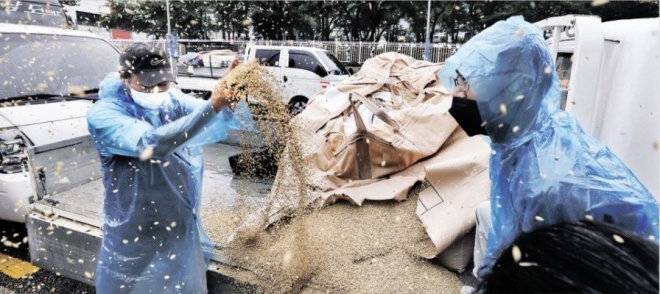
[169, 38]
[427, 52]
[167, 8]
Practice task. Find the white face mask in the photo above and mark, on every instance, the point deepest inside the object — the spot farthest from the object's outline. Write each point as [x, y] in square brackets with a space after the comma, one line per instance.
[149, 100]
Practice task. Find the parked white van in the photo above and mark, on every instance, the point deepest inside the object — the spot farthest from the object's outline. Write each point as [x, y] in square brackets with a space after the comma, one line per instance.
[303, 71]
[50, 79]
[299, 71]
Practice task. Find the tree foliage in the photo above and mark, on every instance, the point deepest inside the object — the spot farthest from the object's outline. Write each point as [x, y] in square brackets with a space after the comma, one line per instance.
[349, 20]
[279, 20]
[231, 17]
[471, 17]
[190, 20]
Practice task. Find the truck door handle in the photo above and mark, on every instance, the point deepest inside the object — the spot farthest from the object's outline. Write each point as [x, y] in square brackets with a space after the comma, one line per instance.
[285, 78]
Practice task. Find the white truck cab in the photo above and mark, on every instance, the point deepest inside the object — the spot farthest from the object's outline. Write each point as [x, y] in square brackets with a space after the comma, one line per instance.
[50, 79]
[609, 73]
[48, 13]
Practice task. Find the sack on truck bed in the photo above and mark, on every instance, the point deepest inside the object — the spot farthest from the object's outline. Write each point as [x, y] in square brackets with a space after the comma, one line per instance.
[376, 134]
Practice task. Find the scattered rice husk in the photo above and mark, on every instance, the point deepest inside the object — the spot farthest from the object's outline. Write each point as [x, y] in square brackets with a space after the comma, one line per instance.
[249, 79]
[346, 249]
[341, 248]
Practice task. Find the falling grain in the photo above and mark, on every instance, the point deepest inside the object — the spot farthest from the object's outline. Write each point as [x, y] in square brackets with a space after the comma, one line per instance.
[515, 252]
[617, 238]
[336, 249]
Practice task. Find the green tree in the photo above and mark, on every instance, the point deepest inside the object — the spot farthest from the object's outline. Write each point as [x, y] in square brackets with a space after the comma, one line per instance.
[189, 19]
[416, 16]
[369, 20]
[279, 20]
[534, 11]
[383, 17]
[626, 9]
[357, 20]
[455, 19]
[328, 17]
[470, 17]
[232, 17]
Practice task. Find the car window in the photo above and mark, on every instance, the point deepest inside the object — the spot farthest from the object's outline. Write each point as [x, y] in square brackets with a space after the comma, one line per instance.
[32, 64]
[333, 64]
[267, 57]
[303, 60]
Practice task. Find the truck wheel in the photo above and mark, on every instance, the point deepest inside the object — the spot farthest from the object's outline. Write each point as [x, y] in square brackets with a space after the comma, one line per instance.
[207, 96]
[297, 105]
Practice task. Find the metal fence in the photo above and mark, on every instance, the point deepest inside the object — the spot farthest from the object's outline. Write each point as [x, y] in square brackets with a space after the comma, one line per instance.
[123, 44]
[345, 51]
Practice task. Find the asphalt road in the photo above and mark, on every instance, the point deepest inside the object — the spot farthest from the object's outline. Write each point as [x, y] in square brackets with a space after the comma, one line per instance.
[44, 281]
[40, 282]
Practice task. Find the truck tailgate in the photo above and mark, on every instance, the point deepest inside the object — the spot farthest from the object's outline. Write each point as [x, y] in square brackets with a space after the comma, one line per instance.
[83, 203]
[65, 224]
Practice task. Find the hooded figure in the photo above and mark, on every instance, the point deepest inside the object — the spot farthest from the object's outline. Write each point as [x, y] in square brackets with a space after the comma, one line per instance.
[544, 169]
[152, 168]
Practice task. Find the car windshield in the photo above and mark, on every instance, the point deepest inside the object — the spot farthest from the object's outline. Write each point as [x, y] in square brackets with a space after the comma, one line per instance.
[334, 65]
[43, 65]
[42, 13]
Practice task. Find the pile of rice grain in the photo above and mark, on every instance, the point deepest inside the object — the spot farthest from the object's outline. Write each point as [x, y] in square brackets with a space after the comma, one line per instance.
[341, 248]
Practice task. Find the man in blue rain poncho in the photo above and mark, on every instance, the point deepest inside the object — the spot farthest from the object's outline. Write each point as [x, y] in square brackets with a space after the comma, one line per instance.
[544, 169]
[148, 136]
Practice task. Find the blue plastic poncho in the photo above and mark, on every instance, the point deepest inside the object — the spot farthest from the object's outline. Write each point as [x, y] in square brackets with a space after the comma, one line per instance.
[544, 169]
[153, 241]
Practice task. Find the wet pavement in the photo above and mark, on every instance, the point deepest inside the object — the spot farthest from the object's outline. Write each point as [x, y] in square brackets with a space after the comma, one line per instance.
[218, 177]
[220, 186]
[40, 282]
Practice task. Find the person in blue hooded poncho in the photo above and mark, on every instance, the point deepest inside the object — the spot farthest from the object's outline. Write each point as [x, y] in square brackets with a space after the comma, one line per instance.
[544, 168]
[149, 139]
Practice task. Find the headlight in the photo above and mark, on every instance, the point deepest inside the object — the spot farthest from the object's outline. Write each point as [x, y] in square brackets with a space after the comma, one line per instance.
[13, 152]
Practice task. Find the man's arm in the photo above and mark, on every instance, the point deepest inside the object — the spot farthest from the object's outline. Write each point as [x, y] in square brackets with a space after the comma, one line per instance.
[222, 97]
[226, 119]
[116, 132]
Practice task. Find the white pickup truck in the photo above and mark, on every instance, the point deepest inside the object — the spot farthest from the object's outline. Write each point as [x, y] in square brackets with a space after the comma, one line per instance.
[612, 91]
[301, 72]
[50, 78]
[609, 78]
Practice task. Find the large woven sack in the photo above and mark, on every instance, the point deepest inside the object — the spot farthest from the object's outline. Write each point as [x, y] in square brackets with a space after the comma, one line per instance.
[375, 135]
[369, 128]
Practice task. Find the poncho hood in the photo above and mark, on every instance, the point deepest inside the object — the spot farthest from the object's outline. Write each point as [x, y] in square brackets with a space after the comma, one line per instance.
[511, 72]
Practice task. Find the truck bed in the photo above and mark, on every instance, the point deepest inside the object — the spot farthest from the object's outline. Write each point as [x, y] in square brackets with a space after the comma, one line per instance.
[202, 72]
[83, 203]
[65, 228]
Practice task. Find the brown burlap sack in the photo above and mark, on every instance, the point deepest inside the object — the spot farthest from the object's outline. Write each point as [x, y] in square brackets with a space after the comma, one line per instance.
[412, 125]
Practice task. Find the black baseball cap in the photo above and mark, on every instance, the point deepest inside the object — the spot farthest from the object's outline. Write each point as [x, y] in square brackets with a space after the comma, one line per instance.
[148, 63]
